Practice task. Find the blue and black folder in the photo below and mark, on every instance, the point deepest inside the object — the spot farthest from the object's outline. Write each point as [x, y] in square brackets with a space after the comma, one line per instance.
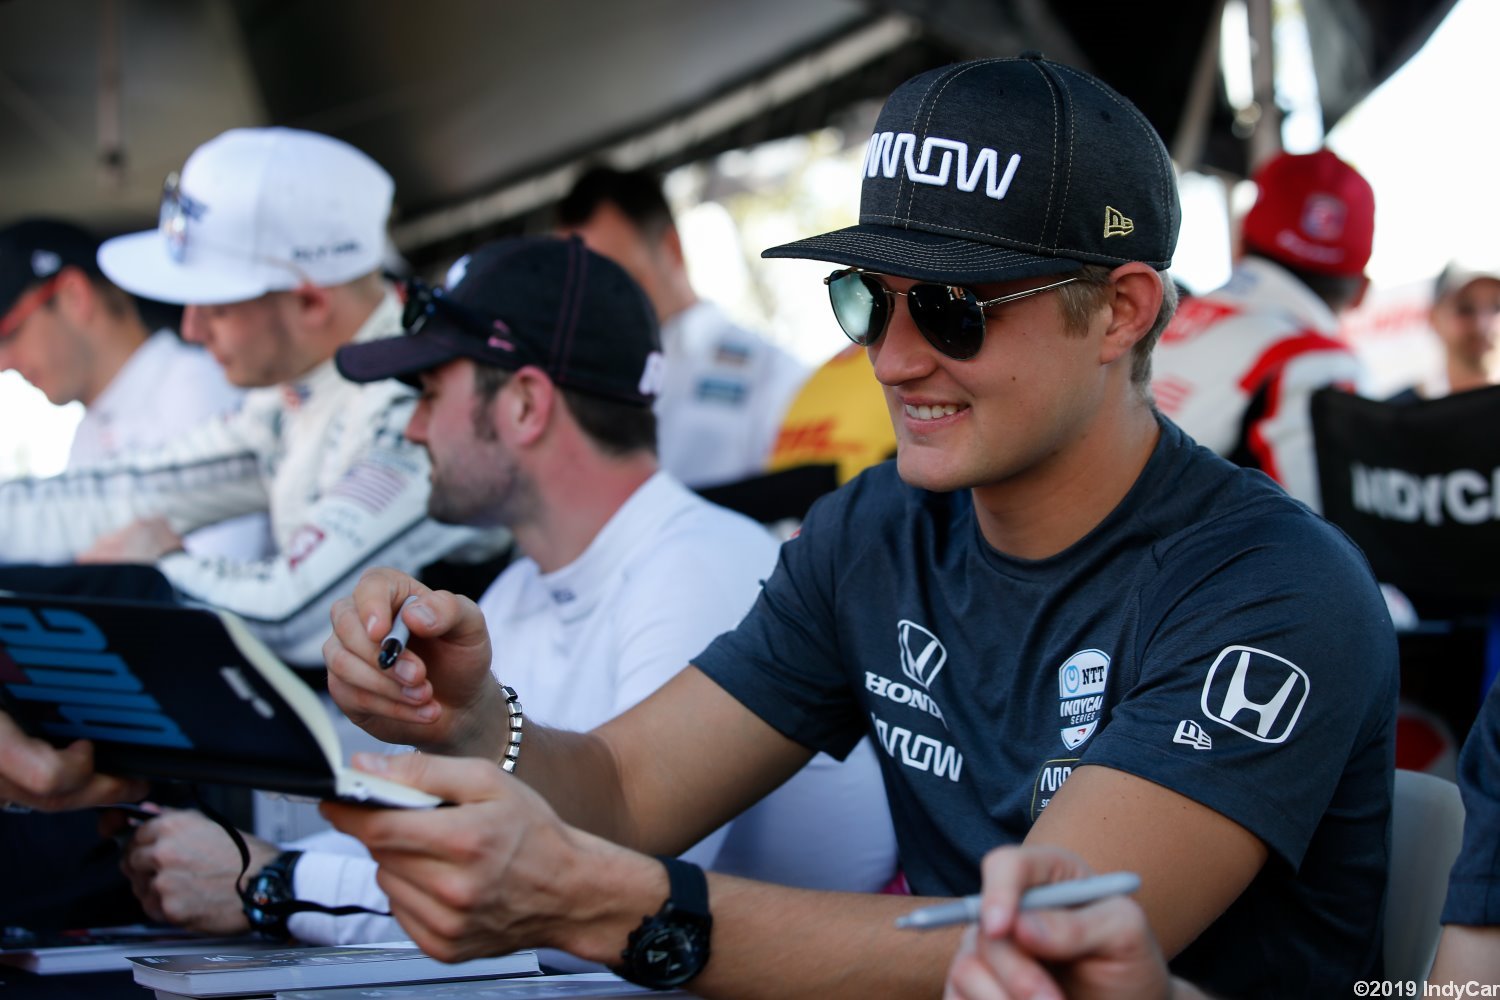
[166, 691]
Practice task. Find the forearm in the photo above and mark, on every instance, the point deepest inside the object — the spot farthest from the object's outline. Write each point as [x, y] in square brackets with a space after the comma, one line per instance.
[772, 941]
[203, 479]
[1467, 953]
[777, 942]
[579, 777]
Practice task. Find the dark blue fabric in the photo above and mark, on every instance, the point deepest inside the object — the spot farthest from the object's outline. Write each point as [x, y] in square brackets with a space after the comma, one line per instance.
[59, 871]
[1474, 886]
[986, 679]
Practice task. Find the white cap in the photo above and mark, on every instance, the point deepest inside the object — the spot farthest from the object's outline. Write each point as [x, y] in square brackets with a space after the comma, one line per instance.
[258, 210]
[1459, 274]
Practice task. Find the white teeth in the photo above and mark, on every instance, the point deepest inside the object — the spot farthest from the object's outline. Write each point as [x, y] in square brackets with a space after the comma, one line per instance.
[931, 412]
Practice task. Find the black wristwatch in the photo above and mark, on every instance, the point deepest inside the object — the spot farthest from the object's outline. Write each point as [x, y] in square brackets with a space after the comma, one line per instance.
[268, 897]
[672, 947]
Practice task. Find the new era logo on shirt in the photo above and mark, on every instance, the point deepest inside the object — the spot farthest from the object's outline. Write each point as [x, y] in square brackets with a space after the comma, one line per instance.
[1191, 734]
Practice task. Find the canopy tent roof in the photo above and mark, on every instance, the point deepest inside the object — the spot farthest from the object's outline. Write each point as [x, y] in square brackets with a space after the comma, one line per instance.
[484, 109]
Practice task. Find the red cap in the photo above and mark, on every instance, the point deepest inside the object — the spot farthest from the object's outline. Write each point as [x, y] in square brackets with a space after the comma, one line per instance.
[1313, 212]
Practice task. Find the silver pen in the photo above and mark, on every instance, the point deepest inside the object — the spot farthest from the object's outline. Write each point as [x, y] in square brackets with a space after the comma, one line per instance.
[1076, 892]
[395, 640]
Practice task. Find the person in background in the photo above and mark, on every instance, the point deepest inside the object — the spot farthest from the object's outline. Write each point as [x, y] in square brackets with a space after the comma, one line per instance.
[1237, 367]
[78, 338]
[838, 417]
[625, 575]
[272, 238]
[1465, 316]
[1470, 946]
[726, 388]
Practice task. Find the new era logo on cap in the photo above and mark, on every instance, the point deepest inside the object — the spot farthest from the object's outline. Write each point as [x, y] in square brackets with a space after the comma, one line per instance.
[1115, 223]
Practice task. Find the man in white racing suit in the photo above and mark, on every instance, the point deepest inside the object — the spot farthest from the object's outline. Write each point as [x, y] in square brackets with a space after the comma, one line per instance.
[75, 336]
[273, 239]
[1237, 367]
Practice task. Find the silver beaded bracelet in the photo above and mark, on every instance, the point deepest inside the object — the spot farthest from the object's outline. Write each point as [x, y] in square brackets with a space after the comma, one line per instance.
[513, 748]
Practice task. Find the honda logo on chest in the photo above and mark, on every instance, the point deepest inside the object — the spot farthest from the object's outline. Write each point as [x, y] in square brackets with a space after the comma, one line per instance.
[922, 654]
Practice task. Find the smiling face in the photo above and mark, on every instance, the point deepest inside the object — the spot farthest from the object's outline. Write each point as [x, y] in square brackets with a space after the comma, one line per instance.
[1032, 394]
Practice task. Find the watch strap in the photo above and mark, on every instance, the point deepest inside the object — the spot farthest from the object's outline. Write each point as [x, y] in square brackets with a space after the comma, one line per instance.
[671, 947]
[266, 900]
[283, 864]
[687, 887]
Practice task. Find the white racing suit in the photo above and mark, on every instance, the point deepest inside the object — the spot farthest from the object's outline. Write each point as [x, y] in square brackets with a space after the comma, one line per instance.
[1236, 369]
[325, 457]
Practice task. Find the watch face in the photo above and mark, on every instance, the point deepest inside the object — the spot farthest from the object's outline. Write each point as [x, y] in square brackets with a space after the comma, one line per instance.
[266, 888]
[668, 955]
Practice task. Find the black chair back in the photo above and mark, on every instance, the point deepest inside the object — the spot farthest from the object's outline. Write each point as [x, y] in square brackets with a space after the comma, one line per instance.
[1416, 485]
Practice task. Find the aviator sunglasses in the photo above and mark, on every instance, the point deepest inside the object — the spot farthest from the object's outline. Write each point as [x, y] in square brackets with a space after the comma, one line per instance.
[423, 301]
[951, 317]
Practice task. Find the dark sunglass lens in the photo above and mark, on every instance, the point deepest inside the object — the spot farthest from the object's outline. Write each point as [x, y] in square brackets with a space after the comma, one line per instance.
[949, 317]
[858, 305]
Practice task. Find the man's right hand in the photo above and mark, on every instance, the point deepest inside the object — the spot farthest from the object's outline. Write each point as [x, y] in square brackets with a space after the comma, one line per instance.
[36, 774]
[1103, 951]
[439, 696]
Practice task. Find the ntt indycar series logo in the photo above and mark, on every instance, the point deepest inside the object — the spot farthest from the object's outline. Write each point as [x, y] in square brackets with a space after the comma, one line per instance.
[1080, 689]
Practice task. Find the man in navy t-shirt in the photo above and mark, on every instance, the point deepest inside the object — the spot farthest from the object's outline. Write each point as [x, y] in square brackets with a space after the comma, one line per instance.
[1062, 621]
[1470, 946]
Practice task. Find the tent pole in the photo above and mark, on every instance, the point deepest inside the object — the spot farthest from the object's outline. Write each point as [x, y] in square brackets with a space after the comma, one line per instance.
[1265, 139]
[1192, 128]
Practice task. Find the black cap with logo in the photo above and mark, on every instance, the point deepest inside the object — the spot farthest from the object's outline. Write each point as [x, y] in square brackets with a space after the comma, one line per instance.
[34, 250]
[1007, 168]
[539, 301]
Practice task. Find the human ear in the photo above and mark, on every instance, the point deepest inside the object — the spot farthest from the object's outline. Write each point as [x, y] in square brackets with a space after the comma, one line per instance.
[1135, 301]
[530, 397]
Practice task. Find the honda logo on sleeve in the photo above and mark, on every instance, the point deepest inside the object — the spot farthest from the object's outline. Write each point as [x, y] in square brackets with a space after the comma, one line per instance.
[1248, 687]
[922, 655]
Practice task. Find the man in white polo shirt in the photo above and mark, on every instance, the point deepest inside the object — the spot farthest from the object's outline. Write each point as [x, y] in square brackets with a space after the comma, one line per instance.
[538, 369]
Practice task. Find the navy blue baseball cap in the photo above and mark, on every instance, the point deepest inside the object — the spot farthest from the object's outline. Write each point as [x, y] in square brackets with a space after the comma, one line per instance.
[34, 250]
[1007, 168]
[540, 301]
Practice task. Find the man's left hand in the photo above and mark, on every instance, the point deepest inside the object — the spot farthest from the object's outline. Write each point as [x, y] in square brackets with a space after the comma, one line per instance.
[183, 868]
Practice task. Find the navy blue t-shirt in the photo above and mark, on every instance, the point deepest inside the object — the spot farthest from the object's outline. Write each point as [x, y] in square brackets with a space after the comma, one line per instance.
[1474, 886]
[1210, 635]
